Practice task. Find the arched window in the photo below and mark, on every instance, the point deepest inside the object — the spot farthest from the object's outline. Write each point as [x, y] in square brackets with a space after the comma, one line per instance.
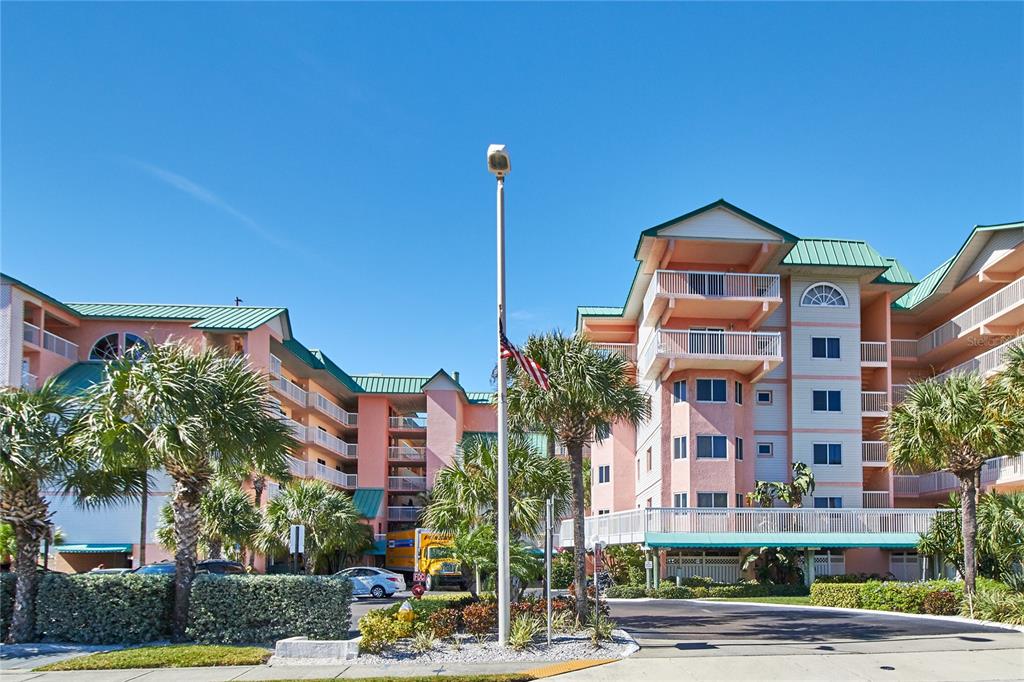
[823, 294]
[107, 348]
[134, 345]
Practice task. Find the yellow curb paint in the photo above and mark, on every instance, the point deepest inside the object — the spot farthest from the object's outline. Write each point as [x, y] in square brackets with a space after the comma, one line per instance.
[567, 667]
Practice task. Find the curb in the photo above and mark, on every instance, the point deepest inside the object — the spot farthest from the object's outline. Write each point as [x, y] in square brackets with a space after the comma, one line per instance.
[928, 616]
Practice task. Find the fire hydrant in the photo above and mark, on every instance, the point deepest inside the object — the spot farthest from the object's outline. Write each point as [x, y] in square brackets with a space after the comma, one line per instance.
[405, 612]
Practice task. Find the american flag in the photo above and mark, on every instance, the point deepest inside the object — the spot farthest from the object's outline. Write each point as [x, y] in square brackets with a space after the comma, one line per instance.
[529, 365]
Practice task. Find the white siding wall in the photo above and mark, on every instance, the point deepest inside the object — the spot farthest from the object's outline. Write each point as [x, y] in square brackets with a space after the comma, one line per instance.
[12, 309]
[852, 498]
[999, 244]
[649, 436]
[118, 524]
[777, 318]
[774, 417]
[773, 468]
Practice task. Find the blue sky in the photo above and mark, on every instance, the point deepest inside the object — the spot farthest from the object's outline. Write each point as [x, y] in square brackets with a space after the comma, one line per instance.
[330, 157]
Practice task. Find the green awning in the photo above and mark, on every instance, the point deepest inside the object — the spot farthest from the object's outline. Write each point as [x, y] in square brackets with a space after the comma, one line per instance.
[882, 540]
[93, 549]
[367, 501]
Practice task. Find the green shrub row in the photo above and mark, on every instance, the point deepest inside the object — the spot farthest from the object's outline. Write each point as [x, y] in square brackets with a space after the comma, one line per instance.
[668, 590]
[891, 596]
[133, 609]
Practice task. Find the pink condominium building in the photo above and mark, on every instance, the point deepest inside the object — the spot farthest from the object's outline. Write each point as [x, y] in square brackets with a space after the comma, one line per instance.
[759, 349]
[380, 438]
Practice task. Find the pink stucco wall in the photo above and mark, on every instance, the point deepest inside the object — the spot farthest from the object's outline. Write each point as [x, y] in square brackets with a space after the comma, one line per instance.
[444, 428]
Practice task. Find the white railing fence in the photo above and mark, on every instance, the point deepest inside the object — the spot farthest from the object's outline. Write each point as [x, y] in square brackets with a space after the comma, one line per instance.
[407, 483]
[626, 350]
[409, 514]
[875, 452]
[338, 478]
[876, 499]
[737, 344]
[408, 422]
[988, 361]
[874, 351]
[903, 484]
[332, 443]
[31, 333]
[721, 569]
[717, 284]
[899, 392]
[336, 412]
[291, 390]
[904, 348]
[874, 401]
[60, 346]
[1008, 297]
[407, 452]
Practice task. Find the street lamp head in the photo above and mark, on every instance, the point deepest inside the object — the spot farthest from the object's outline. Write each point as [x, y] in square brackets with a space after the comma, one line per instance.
[498, 160]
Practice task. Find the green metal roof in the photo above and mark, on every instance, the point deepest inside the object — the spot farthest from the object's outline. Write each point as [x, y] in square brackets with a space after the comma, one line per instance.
[80, 376]
[480, 397]
[368, 501]
[93, 548]
[835, 253]
[882, 540]
[925, 287]
[599, 310]
[378, 383]
[896, 274]
[209, 317]
[316, 359]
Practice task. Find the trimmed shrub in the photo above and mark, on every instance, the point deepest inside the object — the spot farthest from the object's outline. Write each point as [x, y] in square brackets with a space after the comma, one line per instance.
[697, 581]
[480, 619]
[379, 630]
[625, 592]
[562, 570]
[756, 590]
[104, 609]
[264, 608]
[839, 595]
[7, 581]
[997, 604]
[853, 578]
[674, 592]
[422, 609]
[444, 623]
[941, 603]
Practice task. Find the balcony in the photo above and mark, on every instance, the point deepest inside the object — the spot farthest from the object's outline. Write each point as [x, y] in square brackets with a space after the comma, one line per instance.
[297, 467]
[289, 390]
[905, 486]
[322, 404]
[751, 353]
[298, 430]
[714, 295]
[874, 403]
[876, 499]
[899, 393]
[997, 315]
[875, 453]
[31, 333]
[758, 527]
[407, 453]
[408, 423]
[332, 443]
[407, 483]
[60, 346]
[626, 350]
[904, 349]
[984, 364]
[404, 514]
[338, 478]
[996, 471]
[874, 354]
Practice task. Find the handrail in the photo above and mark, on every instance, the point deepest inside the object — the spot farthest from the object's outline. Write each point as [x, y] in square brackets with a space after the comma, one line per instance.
[990, 306]
[703, 284]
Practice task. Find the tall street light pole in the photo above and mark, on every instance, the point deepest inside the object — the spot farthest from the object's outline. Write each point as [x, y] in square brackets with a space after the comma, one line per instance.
[499, 163]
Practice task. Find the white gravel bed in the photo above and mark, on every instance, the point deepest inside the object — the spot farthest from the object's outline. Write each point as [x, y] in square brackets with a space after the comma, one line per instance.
[563, 648]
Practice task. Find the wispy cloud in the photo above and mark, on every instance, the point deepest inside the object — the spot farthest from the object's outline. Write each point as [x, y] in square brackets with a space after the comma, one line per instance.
[210, 198]
[522, 315]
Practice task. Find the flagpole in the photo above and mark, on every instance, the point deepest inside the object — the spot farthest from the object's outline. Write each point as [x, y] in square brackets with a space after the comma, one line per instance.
[504, 582]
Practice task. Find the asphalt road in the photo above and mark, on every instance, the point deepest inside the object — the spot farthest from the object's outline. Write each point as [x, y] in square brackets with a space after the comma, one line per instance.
[681, 628]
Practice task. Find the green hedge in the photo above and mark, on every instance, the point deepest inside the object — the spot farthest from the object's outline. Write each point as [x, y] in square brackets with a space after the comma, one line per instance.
[7, 581]
[625, 592]
[668, 590]
[883, 596]
[104, 609]
[234, 609]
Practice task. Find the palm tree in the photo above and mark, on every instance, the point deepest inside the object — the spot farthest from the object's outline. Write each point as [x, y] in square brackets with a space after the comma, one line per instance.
[198, 414]
[329, 515]
[37, 449]
[227, 516]
[590, 390]
[952, 425]
[1000, 534]
[801, 485]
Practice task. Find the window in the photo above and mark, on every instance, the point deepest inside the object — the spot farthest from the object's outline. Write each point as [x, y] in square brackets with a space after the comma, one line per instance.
[827, 401]
[765, 449]
[711, 447]
[712, 499]
[602, 512]
[134, 345]
[321, 462]
[679, 391]
[739, 449]
[823, 294]
[650, 459]
[604, 473]
[739, 500]
[825, 347]
[711, 390]
[107, 348]
[738, 390]
[650, 502]
[828, 453]
[679, 500]
[764, 397]
[679, 447]
[828, 503]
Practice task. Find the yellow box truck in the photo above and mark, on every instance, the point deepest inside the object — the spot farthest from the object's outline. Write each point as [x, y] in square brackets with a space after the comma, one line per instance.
[426, 556]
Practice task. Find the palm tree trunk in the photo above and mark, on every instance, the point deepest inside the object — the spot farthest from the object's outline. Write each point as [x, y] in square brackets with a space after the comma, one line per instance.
[258, 482]
[579, 550]
[969, 521]
[27, 513]
[186, 536]
[144, 504]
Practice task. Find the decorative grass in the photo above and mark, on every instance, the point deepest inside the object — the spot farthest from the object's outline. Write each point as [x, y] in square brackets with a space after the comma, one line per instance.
[170, 656]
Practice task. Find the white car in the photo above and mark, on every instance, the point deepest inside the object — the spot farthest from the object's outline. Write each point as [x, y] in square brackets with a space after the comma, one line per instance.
[373, 582]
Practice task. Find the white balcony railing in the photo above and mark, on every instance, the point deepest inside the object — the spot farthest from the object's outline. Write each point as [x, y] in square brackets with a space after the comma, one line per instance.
[874, 352]
[407, 483]
[410, 453]
[338, 478]
[332, 443]
[996, 471]
[874, 402]
[875, 452]
[31, 333]
[408, 422]
[717, 284]
[899, 392]
[408, 514]
[690, 343]
[905, 485]
[988, 361]
[904, 348]
[292, 391]
[626, 350]
[29, 381]
[298, 430]
[633, 525]
[1006, 298]
[876, 499]
[297, 467]
[335, 412]
[60, 346]
[275, 365]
